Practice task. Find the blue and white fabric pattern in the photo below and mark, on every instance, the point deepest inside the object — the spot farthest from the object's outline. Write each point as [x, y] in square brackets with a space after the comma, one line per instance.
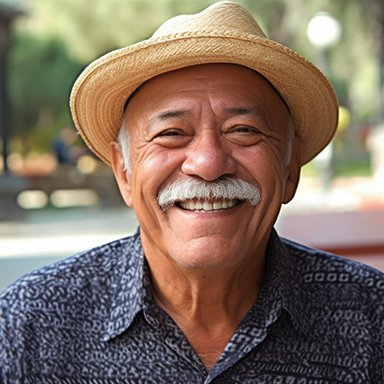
[92, 319]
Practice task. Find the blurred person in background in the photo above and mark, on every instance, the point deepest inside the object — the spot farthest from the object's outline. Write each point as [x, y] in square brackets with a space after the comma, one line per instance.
[63, 146]
[206, 126]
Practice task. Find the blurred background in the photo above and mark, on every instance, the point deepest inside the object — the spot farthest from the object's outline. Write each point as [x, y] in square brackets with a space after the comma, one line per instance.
[57, 199]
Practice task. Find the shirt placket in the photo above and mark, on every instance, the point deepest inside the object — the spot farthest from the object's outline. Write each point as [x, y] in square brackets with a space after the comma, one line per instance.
[250, 333]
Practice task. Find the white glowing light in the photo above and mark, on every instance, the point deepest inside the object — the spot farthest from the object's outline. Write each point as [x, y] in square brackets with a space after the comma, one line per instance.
[324, 30]
[32, 199]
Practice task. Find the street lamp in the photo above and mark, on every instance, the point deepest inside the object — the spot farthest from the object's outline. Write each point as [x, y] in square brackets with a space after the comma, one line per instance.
[324, 31]
[10, 186]
[7, 14]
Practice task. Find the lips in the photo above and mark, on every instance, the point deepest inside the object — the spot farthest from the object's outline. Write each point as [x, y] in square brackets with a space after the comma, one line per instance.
[208, 205]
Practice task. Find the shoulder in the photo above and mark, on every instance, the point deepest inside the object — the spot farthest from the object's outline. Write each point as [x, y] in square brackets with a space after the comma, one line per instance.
[78, 279]
[341, 280]
[309, 259]
[70, 299]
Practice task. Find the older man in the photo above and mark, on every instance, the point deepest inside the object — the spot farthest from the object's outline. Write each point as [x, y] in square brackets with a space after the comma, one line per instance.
[206, 126]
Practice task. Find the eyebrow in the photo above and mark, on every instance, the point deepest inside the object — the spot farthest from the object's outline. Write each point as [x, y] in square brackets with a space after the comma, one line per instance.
[231, 111]
[165, 115]
[253, 111]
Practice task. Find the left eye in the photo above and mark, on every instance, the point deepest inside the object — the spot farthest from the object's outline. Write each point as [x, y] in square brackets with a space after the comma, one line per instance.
[243, 135]
[244, 129]
[169, 133]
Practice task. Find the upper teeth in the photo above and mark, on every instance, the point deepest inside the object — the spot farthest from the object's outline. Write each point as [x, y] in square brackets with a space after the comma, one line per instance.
[203, 206]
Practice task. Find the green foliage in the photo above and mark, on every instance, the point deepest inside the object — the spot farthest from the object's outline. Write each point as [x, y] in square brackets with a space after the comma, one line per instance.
[41, 76]
[90, 28]
[353, 168]
[347, 168]
[58, 38]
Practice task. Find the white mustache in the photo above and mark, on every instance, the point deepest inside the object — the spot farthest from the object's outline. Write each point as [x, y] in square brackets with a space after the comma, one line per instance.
[225, 188]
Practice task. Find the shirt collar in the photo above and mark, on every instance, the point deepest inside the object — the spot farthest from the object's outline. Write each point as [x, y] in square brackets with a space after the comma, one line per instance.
[131, 292]
[127, 290]
[283, 288]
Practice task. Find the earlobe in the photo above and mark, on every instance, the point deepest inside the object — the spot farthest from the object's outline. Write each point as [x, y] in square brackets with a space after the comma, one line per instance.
[293, 170]
[122, 176]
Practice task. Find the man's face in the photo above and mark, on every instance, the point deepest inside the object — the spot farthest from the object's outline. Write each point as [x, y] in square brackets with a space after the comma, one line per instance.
[207, 122]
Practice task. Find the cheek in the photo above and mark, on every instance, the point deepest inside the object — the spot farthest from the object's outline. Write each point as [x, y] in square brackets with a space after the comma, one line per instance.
[155, 158]
[266, 168]
[151, 171]
[261, 160]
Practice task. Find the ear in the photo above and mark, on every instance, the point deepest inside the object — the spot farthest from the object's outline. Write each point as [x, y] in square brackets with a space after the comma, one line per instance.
[122, 176]
[293, 170]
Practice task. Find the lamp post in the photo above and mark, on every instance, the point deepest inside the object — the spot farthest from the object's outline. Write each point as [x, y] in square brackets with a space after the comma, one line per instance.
[10, 186]
[324, 31]
[7, 14]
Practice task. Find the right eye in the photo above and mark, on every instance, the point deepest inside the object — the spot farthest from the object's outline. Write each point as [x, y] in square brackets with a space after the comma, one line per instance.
[172, 138]
[169, 132]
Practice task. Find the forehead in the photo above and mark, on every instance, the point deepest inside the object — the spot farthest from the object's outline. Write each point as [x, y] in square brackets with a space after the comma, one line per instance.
[221, 83]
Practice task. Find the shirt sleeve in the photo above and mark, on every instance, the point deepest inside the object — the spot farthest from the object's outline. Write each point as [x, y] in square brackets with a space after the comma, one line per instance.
[377, 335]
[13, 329]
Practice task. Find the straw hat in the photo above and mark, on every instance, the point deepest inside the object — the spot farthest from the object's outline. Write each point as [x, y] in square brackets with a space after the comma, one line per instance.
[223, 33]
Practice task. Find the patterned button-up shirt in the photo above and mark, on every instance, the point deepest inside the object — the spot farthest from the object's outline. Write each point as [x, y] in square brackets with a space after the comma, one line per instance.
[92, 319]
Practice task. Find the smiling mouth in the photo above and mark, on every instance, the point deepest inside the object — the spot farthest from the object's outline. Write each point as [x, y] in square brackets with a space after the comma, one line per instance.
[208, 206]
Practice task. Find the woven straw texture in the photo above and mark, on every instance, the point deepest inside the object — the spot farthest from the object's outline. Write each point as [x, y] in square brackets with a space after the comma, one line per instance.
[223, 33]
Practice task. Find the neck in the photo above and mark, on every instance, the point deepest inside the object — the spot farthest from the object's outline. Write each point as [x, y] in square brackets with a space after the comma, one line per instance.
[198, 293]
[207, 305]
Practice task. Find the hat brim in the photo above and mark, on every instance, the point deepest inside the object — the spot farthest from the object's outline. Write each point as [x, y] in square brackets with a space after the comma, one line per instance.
[101, 91]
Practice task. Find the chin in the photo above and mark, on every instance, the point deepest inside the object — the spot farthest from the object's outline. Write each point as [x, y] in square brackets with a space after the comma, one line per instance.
[208, 260]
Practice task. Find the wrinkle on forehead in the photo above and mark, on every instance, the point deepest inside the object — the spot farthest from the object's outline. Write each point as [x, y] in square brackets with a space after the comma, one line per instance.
[204, 76]
[172, 95]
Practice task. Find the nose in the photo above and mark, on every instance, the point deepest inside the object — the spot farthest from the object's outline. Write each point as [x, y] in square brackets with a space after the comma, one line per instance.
[208, 157]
